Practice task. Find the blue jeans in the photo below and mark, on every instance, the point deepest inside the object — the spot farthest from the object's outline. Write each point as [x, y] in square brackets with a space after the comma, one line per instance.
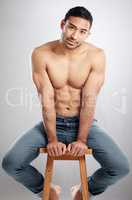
[113, 162]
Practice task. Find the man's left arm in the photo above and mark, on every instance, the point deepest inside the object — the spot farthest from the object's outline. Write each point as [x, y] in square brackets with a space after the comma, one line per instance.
[90, 92]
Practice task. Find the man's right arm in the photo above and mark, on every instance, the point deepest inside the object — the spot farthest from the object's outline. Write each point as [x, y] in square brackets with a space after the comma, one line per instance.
[46, 95]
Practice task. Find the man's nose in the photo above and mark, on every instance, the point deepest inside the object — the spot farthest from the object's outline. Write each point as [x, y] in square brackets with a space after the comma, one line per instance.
[75, 35]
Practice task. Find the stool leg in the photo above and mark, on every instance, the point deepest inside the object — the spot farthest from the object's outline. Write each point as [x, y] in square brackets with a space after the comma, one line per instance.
[83, 174]
[48, 178]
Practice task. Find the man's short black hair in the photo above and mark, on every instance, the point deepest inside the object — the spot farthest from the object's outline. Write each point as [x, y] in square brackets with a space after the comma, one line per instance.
[79, 11]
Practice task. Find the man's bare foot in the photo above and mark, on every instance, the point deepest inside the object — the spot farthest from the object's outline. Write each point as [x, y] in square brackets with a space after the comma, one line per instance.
[76, 193]
[55, 191]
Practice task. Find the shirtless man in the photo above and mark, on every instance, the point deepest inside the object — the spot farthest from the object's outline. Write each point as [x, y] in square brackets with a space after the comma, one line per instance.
[68, 74]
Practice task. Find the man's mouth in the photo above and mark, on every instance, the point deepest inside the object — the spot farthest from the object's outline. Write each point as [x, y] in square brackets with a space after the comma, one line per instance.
[71, 42]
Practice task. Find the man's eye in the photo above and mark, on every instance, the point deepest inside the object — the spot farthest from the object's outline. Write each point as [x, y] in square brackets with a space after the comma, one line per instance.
[71, 27]
[83, 32]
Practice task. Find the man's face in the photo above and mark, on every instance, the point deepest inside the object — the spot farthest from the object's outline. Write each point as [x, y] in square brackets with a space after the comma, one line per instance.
[74, 31]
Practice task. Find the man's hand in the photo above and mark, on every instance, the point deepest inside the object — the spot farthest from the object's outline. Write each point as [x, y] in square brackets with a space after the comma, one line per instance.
[56, 148]
[77, 148]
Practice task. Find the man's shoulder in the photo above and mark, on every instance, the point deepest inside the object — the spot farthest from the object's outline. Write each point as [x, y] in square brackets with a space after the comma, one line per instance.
[43, 51]
[93, 49]
[46, 47]
[97, 56]
[95, 52]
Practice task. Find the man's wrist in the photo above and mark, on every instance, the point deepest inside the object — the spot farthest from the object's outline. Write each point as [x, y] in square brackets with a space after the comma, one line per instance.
[83, 140]
[53, 139]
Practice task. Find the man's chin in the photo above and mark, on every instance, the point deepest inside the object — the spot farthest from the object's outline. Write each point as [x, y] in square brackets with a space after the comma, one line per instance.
[69, 46]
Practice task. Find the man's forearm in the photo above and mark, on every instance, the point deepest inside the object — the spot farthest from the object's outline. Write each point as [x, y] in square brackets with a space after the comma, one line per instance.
[85, 122]
[49, 120]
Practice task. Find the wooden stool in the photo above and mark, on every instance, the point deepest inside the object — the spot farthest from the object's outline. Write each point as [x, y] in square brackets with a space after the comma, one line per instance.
[66, 156]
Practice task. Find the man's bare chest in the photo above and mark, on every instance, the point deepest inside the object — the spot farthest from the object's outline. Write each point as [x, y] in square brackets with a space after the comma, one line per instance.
[68, 72]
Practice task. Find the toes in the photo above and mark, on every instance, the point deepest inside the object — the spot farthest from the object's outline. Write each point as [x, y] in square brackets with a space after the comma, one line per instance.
[58, 189]
[74, 190]
[75, 187]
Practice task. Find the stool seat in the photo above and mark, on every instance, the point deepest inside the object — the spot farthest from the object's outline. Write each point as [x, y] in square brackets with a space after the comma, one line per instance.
[49, 171]
[66, 156]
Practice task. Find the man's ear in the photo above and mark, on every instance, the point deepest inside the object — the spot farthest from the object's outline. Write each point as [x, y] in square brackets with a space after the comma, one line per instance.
[62, 24]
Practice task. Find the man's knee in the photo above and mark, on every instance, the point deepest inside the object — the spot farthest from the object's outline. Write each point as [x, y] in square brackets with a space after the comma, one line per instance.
[124, 168]
[8, 164]
[121, 167]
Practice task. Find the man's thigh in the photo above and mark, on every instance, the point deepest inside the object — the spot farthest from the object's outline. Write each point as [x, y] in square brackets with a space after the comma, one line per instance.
[105, 150]
[26, 147]
[34, 137]
[99, 138]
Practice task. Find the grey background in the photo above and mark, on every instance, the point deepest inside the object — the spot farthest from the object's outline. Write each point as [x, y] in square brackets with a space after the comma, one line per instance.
[27, 24]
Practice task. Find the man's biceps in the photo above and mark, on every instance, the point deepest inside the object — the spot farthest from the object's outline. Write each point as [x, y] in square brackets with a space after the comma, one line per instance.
[46, 99]
[97, 82]
[35, 81]
[90, 93]
[100, 83]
